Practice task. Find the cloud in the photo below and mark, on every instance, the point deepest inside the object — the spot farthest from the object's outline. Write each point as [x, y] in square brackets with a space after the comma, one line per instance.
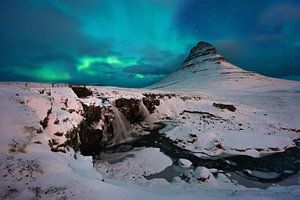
[55, 58]
[40, 73]
[99, 48]
[148, 69]
[230, 48]
[267, 38]
[169, 65]
[279, 13]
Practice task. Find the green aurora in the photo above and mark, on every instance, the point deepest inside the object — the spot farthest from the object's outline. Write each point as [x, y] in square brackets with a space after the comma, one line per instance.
[134, 43]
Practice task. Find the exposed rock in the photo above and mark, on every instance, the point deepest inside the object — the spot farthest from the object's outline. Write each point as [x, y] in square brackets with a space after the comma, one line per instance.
[41, 91]
[73, 139]
[92, 113]
[45, 121]
[59, 134]
[88, 137]
[56, 121]
[39, 130]
[93, 138]
[200, 50]
[71, 110]
[159, 95]
[62, 150]
[131, 109]
[81, 92]
[151, 102]
[193, 134]
[229, 107]
[53, 142]
[188, 175]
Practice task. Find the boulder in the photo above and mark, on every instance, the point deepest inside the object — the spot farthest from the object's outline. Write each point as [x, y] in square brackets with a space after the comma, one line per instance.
[184, 163]
[202, 174]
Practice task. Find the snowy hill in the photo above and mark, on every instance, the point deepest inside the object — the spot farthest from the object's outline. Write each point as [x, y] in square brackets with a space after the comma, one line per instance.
[210, 130]
[204, 69]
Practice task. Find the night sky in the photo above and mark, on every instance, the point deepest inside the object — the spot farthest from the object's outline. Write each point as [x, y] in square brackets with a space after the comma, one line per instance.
[134, 43]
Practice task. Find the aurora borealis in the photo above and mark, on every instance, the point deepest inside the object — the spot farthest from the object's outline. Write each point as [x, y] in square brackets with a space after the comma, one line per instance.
[134, 43]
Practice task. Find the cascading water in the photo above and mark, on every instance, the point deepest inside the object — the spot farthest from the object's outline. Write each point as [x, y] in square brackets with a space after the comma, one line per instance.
[146, 115]
[121, 127]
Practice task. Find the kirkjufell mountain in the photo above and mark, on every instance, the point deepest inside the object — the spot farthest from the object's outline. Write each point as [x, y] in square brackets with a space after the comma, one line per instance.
[205, 69]
[209, 130]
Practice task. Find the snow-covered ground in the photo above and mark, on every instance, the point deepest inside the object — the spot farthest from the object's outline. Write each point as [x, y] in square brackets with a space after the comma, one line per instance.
[29, 170]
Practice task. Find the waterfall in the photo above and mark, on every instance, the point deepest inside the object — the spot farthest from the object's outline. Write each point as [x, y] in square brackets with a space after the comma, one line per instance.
[146, 115]
[121, 127]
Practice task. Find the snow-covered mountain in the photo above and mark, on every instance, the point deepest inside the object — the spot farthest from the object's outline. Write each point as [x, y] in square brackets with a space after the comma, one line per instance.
[204, 69]
[209, 130]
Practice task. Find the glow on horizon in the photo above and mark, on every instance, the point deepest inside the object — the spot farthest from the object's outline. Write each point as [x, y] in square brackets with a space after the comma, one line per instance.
[44, 73]
[86, 63]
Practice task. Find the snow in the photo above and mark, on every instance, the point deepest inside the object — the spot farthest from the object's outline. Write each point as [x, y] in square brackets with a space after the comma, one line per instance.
[137, 164]
[31, 170]
[184, 163]
[217, 78]
[202, 173]
[264, 175]
[234, 132]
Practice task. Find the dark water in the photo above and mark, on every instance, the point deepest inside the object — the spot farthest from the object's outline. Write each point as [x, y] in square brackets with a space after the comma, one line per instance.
[252, 172]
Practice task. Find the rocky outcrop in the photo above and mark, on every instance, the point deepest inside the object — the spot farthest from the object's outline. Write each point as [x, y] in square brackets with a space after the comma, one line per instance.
[229, 107]
[205, 51]
[131, 109]
[45, 121]
[151, 101]
[94, 132]
[199, 175]
[106, 126]
[81, 92]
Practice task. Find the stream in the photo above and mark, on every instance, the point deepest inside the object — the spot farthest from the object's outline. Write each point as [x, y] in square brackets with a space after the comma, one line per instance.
[278, 168]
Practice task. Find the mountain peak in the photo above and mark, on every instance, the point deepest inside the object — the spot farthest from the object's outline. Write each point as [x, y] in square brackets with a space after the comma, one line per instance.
[203, 48]
[203, 51]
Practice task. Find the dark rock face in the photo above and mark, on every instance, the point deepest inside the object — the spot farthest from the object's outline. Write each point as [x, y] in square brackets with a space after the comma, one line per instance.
[206, 52]
[131, 109]
[59, 134]
[45, 121]
[151, 101]
[90, 136]
[91, 113]
[201, 49]
[87, 137]
[90, 139]
[82, 92]
[97, 130]
[229, 107]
